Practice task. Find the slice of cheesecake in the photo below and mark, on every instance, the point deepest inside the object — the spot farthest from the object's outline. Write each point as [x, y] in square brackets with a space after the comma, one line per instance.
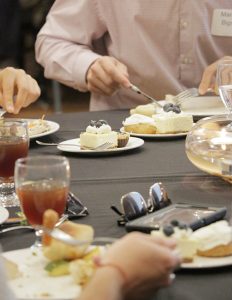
[96, 134]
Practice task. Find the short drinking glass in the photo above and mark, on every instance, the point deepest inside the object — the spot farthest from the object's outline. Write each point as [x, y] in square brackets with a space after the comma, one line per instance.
[42, 182]
[14, 143]
[224, 82]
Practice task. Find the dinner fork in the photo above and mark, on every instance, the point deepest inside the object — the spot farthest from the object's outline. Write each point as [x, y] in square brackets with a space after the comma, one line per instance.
[184, 95]
[104, 146]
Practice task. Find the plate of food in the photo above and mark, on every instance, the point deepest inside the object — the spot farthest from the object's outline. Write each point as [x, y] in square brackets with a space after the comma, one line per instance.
[169, 124]
[207, 247]
[40, 127]
[97, 134]
[74, 146]
[43, 273]
[4, 214]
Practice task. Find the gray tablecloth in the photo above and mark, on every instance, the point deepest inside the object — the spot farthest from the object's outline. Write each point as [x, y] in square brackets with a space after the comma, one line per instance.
[100, 181]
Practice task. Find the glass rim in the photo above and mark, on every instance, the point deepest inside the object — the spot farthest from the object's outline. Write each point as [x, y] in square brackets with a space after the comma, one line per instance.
[6, 122]
[56, 160]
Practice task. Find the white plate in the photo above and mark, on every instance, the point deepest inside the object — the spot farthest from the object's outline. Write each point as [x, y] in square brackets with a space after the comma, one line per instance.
[4, 214]
[132, 144]
[52, 127]
[35, 283]
[201, 262]
[157, 135]
[204, 106]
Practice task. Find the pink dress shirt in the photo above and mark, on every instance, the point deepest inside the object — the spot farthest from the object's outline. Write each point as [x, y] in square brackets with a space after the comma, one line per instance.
[166, 44]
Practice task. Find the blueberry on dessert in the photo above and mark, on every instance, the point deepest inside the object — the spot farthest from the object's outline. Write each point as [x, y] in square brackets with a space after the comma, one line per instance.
[168, 230]
[175, 223]
[171, 107]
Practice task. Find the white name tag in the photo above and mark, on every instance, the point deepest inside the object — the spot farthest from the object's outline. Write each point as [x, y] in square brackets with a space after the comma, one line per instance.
[222, 22]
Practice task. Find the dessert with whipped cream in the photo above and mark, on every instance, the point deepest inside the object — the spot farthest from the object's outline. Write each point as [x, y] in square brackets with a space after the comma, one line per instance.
[214, 240]
[187, 244]
[97, 134]
[172, 120]
[141, 124]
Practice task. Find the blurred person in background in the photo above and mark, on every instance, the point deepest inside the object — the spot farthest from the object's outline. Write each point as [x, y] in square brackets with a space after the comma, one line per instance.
[161, 46]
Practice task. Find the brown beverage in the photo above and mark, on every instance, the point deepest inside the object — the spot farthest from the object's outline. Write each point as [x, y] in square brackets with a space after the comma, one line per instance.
[37, 197]
[10, 150]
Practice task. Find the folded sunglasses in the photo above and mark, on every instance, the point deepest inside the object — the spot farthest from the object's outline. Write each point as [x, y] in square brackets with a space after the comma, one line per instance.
[133, 205]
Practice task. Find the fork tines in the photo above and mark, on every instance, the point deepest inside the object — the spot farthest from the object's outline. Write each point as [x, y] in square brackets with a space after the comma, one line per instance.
[104, 146]
[193, 92]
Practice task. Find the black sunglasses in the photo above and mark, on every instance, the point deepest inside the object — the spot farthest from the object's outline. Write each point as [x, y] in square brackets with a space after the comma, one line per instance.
[134, 205]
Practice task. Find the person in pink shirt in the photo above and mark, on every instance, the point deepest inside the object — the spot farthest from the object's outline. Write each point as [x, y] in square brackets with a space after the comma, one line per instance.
[161, 46]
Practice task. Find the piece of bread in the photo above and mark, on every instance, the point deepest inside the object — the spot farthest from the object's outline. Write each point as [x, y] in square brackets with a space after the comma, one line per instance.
[57, 250]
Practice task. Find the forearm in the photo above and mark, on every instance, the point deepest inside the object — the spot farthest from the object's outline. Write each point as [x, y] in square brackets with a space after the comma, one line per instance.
[64, 45]
[107, 283]
[64, 61]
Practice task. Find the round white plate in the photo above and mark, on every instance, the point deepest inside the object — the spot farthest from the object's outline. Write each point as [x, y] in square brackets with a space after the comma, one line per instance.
[201, 262]
[157, 135]
[132, 144]
[34, 283]
[4, 214]
[53, 127]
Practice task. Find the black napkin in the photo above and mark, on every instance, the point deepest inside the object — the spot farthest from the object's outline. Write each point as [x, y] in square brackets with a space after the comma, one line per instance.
[75, 209]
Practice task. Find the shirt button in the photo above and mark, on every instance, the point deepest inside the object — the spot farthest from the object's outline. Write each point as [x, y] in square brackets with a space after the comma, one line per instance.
[184, 24]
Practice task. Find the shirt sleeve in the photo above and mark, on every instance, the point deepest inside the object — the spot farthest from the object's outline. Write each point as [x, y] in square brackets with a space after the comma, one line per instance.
[65, 44]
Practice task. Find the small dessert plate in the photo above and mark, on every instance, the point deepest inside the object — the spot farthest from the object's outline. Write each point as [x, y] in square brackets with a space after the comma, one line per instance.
[65, 146]
[157, 135]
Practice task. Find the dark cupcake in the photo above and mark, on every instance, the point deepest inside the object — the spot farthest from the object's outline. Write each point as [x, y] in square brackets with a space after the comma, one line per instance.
[123, 138]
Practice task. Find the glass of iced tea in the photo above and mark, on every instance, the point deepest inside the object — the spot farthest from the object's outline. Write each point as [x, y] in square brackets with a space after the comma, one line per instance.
[14, 144]
[42, 182]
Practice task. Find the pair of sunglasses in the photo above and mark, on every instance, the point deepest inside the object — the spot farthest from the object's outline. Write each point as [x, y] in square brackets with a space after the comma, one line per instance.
[134, 205]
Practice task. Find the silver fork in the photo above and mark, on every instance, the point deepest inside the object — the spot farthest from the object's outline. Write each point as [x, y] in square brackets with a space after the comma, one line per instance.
[66, 238]
[183, 96]
[104, 146]
[54, 144]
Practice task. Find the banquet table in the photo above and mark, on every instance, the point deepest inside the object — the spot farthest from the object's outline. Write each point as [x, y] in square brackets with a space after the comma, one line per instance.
[100, 180]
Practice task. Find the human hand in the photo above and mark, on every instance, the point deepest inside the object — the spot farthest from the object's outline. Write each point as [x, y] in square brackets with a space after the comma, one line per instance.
[208, 80]
[17, 89]
[146, 261]
[106, 75]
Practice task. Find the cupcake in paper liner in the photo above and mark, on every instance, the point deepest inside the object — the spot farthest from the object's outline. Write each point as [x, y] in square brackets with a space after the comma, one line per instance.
[123, 138]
